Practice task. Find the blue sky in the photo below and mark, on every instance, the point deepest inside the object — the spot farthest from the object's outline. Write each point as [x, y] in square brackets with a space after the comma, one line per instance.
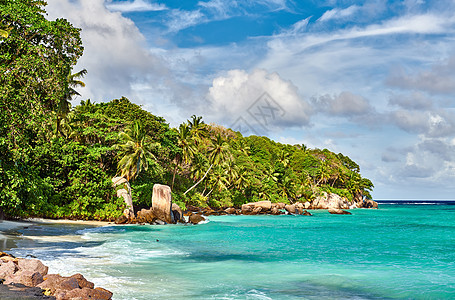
[374, 80]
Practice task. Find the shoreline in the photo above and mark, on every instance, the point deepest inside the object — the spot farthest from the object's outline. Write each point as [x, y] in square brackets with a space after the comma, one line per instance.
[10, 233]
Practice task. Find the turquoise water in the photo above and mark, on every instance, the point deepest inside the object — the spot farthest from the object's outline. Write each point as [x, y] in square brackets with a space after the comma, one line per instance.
[396, 252]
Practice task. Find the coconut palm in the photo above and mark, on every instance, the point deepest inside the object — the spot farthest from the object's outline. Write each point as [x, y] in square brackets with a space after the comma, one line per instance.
[134, 151]
[64, 105]
[218, 152]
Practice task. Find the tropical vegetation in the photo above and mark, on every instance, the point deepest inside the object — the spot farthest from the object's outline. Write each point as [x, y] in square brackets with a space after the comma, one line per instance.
[58, 161]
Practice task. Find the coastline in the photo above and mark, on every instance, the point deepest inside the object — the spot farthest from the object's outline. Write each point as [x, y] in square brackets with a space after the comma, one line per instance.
[10, 233]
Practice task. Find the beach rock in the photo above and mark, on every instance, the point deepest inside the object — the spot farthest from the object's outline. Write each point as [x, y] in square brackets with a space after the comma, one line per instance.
[192, 208]
[299, 207]
[306, 213]
[177, 212]
[307, 205]
[336, 211]
[51, 282]
[26, 277]
[279, 205]
[290, 208]
[32, 265]
[247, 209]
[275, 211]
[86, 293]
[230, 210]
[330, 200]
[162, 203]
[264, 205]
[256, 210]
[82, 282]
[121, 220]
[196, 219]
[159, 222]
[7, 269]
[371, 204]
[123, 193]
[145, 216]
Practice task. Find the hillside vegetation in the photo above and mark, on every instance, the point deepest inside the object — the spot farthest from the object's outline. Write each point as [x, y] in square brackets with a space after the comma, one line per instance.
[57, 161]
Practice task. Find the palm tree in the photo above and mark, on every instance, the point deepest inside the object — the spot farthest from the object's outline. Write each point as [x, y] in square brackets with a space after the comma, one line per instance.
[218, 152]
[64, 105]
[134, 151]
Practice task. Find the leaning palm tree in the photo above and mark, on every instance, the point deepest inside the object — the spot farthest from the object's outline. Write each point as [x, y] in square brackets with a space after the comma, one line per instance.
[218, 152]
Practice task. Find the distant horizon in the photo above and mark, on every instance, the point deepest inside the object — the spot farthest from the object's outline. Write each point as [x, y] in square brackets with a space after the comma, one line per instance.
[417, 200]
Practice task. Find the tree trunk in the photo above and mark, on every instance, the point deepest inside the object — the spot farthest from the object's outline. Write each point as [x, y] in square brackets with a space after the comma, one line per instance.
[203, 177]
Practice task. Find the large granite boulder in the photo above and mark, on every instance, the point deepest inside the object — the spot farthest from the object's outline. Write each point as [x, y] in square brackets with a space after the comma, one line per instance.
[177, 213]
[145, 216]
[33, 265]
[129, 211]
[330, 200]
[371, 204]
[256, 207]
[162, 203]
[26, 277]
[7, 268]
[231, 211]
[290, 208]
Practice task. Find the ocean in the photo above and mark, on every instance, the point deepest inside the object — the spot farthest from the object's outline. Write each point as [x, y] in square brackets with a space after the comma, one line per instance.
[400, 251]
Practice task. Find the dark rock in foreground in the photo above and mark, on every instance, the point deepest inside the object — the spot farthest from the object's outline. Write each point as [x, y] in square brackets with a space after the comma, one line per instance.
[196, 219]
[23, 273]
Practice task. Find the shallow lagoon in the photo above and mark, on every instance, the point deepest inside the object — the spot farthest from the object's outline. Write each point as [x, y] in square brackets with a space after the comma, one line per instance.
[396, 252]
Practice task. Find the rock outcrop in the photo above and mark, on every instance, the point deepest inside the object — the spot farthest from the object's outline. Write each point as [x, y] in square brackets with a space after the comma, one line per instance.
[126, 195]
[196, 219]
[336, 211]
[162, 203]
[33, 273]
[330, 200]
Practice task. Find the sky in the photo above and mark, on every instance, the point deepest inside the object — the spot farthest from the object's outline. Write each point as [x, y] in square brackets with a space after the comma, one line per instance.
[374, 80]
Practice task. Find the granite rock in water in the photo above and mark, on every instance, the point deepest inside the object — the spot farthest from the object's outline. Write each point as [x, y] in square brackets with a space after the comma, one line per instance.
[336, 211]
[371, 204]
[177, 213]
[230, 210]
[196, 219]
[162, 203]
[290, 208]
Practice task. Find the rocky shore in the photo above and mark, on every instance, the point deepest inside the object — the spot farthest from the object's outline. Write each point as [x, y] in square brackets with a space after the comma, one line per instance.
[163, 211]
[24, 278]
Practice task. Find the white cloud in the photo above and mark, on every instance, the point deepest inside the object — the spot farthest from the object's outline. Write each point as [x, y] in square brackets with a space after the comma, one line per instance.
[414, 101]
[135, 5]
[236, 95]
[338, 13]
[181, 19]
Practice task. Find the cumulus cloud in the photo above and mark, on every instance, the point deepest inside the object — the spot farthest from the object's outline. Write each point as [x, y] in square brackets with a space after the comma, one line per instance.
[115, 52]
[135, 5]
[261, 98]
[440, 78]
[345, 104]
[413, 101]
[429, 123]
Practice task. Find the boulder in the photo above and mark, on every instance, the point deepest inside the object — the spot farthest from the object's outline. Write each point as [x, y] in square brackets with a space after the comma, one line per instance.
[307, 205]
[196, 219]
[247, 209]
[162, 203]
[275, 211]
[280, 205]
[290, 208]
[330, 200]
[123, 193]
[264, 205]
[86, 293]
[7, 269]
[26, 277]
[299, 207]
[336, 211]
[121, 220]
[230, 210]
[177, 212]
[82, 281]
[33, 265]
[306, 213]
[145, 216]
[256, 210]
[371, 204]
